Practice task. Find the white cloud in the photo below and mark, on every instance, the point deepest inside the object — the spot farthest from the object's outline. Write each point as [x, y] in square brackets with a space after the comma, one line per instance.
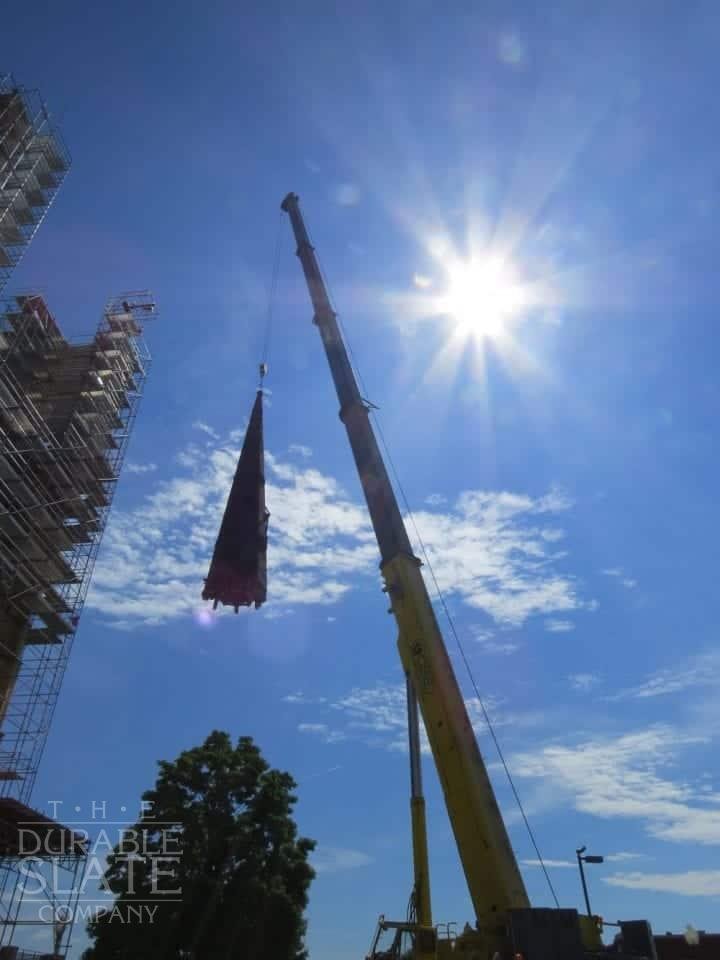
[491, 549]
[346, 194]
[155, 555]
[322, 773]
[624, 855]
[489, 643]
[618, 574]
[338, 859]
[274, 612]
[621, 777]
[376, 714]
[583, 682]
[377, 717]
[300, 697]
[503, 647]
[702, 670]
[559, 626]
[692, 883]
[205, 428]
[421, 281]
[300, 449]
[323, 731]
[435, 500]
[130, 467]
[549, 863]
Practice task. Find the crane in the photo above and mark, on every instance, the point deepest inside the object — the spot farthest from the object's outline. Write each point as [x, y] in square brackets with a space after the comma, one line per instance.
[505, 922]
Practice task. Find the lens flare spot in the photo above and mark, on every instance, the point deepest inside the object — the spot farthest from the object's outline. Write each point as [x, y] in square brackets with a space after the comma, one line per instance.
[205, 618]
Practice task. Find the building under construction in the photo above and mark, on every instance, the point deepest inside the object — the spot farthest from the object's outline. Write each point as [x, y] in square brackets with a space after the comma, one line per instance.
[66, 413]
[33, 164]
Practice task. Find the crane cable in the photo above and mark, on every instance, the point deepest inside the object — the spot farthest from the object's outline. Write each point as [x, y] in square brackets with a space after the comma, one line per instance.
[443, 602]
[468, 668]
[272, 296]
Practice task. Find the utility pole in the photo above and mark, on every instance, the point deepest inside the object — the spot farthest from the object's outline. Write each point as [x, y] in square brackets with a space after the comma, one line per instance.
[581, 860]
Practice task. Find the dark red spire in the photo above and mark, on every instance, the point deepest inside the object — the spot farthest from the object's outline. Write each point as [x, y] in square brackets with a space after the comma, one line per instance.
[238, 570]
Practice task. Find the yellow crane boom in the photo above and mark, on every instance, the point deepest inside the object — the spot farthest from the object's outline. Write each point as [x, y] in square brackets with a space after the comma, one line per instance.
[490, 867]
[506, 925]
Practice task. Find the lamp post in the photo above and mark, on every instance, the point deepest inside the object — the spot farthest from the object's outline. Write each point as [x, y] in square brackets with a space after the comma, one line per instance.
[581, 860]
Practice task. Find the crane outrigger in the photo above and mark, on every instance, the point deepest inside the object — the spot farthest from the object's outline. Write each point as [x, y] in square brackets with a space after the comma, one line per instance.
[505, 923]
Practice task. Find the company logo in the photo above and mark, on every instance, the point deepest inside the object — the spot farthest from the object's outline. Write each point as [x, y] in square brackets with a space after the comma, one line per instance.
[86, 862]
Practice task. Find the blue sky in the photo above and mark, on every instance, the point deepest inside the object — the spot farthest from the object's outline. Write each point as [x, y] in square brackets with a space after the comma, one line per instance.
[563, 474]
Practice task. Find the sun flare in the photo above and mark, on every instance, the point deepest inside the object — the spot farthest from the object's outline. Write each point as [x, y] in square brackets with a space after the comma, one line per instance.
[482, 297]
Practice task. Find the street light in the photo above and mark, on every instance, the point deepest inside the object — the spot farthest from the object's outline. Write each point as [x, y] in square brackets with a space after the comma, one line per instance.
[586, 859]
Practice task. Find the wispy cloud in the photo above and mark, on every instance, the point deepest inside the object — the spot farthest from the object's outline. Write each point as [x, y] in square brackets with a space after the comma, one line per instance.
[583, 682]
[322, 773]
[140, 467]
[490, 549]
[702, 670]
[692, 883]
[622, 777]
[559, 626]
[206, 428]
[323, 731]
[300, 449]
[338, 859]
[548, 863]
[346, 194]
[618, 574]
[156, 554]
[608, 857]
[491, 643]
[377, 717]
[624, 855]
[300, 697]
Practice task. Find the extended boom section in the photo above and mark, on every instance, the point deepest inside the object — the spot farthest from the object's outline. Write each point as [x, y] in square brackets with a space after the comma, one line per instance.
[491, 870]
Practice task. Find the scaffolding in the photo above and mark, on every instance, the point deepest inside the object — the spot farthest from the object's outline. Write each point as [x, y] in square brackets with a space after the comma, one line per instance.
[44, 863]
[66, 415]
[33, 164]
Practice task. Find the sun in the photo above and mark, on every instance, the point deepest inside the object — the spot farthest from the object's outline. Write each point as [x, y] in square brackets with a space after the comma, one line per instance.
[482, 300]
[482, 297]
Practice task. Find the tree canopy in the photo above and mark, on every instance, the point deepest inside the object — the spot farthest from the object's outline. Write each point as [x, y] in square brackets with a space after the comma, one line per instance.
[217, 857]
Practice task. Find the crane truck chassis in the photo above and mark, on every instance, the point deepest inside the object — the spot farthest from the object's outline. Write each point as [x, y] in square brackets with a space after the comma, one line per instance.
[506, 925]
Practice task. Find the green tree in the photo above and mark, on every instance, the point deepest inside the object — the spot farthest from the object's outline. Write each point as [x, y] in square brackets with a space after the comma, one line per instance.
[216, 857]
